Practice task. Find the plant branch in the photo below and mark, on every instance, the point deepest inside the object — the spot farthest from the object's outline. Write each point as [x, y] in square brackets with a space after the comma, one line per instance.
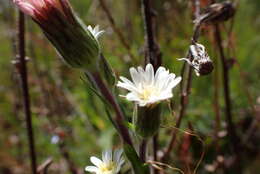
[111, 99]
[116, 29]
[142, 150]
[153, 52]
[155, 148]
[22, 70]
[228, 110]
[65, 153]
[185, 89]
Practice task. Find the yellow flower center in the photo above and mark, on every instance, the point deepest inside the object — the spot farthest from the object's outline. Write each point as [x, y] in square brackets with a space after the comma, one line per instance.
[107, 168]
[147, 92]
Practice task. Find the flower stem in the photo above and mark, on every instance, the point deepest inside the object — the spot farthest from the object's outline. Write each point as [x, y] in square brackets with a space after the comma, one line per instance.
[155, 148]
[153, 54]
[185, 89]
[111, 99]
[142, 150]
[228, 110]
[22, 70]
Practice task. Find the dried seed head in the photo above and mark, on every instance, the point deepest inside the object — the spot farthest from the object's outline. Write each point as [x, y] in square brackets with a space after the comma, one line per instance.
[217, 12]
[205, 68]
[199, 60]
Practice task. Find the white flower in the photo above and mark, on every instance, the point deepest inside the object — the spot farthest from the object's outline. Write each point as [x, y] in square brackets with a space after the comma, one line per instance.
[108, 165]
[55, 139]
[95, 31]
[148, 88]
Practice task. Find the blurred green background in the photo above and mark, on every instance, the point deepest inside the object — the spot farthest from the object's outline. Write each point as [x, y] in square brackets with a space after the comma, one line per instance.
[63, 106]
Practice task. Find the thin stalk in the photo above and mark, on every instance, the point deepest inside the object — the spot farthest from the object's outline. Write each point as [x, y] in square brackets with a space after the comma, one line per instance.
[65, 153]
[153, 55]
[228, 110]
[153, 52]
[142, 150]
[119, 114]
[185, 88]
[155, 148]
[116, 29]
[184, 102]
[216, 102]
[22, 70]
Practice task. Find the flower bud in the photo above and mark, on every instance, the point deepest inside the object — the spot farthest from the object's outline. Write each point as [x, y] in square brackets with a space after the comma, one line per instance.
[76, 43]
[148, 121]
[217, 12]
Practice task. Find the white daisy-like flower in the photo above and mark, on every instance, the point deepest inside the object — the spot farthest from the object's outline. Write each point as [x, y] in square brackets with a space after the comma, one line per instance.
[95, 31]
[110, 163]
[148, 87]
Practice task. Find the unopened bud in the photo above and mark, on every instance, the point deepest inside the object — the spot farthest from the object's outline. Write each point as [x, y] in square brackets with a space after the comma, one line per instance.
[217, 12]
[148, 121]
[76, 43]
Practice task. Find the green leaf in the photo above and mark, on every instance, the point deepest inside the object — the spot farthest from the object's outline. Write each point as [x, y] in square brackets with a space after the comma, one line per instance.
[106, 71]
[138, 166]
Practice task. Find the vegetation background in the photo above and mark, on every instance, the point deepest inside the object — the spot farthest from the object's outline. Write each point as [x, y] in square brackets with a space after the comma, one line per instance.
[69, 120]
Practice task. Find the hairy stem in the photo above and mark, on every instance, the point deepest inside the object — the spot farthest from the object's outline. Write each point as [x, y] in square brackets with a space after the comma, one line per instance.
[22, 69]
[119, 114]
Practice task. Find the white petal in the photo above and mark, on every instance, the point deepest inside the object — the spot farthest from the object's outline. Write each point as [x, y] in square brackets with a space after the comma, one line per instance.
[135, 76]
[97, 162]
[117, 155]
[107, 156]
[158, 72]
[119, 164]
[125, 80]
[174, 82]
[161, 80]
[91, 169]
[160, 77]
[142, 103]
[167, 82]
[98, 34]
[90, 28]
[132, 97]
[96, 29]
[165, 96]
[149, 74]
[140, 70]
[126, 86]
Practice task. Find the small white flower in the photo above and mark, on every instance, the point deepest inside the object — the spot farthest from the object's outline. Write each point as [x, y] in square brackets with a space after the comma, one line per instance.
[95, 31]
[55, 139]
[148, 88]
[108, 165]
